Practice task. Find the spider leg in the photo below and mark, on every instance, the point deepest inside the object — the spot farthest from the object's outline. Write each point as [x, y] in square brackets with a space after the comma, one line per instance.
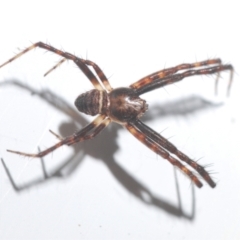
[96, 68]
[91, 135]
[157, 138]
[170, 71]
[78, 61]
[160, 82]
[100, 74]
[154, 146]
[55, 66]
[88, 132]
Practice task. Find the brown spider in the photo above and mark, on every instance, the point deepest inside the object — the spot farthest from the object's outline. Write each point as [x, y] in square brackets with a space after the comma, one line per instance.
[124, 106]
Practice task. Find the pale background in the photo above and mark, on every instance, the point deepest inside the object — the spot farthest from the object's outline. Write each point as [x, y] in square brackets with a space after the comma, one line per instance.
[113, 187]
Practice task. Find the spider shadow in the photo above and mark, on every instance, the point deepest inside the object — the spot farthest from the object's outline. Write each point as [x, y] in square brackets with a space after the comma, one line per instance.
[180, 107]
[96, 147]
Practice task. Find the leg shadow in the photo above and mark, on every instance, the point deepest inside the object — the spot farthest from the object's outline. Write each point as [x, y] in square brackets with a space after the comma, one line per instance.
[103, 148]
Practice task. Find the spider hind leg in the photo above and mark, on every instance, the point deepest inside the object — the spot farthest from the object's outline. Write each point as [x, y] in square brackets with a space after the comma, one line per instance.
[164, 143]
[155, 147]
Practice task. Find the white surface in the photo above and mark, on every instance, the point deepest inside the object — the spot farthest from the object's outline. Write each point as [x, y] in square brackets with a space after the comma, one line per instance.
[113, 187]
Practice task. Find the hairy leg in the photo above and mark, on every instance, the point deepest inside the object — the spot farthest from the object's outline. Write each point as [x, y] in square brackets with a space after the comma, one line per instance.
[161, 82]
[146, 140]
[78, 61]
[163, 142]
[88, 132]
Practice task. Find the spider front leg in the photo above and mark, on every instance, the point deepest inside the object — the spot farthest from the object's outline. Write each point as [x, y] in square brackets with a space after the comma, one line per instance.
[81, 63]
[88, 132]
[156, 81]
[66, 55]
[96, 68]
[170, 71]
[155, 147]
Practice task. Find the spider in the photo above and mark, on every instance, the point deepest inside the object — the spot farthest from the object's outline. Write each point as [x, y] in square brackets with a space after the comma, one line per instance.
[125, 107]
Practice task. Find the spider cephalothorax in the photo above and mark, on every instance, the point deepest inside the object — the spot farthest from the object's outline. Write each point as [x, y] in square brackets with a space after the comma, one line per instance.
[124, 106]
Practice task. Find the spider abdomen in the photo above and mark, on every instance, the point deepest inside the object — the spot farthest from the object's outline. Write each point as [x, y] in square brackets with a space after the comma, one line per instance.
[92, 102]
